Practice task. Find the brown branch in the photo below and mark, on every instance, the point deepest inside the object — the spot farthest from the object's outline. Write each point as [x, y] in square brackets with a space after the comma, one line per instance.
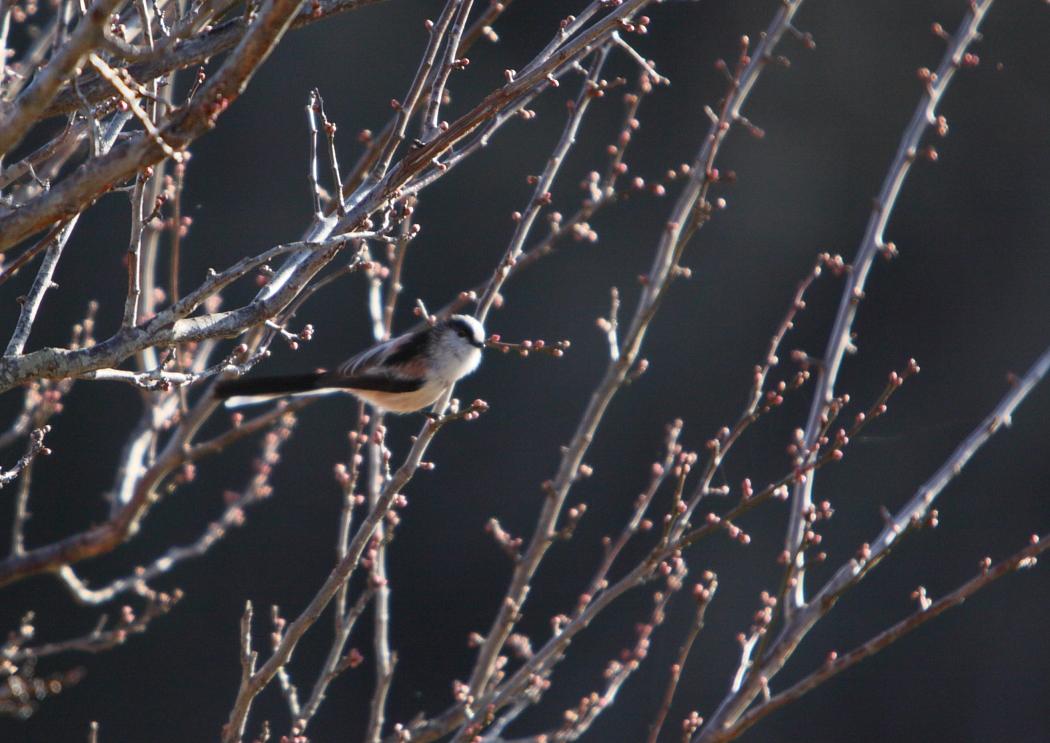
[124, 522]
[67, 140]
[541, 193]
[436, 90]
[232, 516]
[36, 446]
[18, 117]
[578, 721]
[407, 107]
[192, 51]
[142, 150]
[483, 26]
[103, 638]
[521, 87]
[335, 663]
[174, 324]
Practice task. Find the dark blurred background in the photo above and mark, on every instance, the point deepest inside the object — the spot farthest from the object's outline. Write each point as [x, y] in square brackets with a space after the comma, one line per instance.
[967, 298]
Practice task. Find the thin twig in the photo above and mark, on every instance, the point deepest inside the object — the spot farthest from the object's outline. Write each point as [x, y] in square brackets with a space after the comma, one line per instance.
[871, 555]
[541, 192]
[703, 596]
[686, 217]
[405, 108]
[41, 284]
[430, 124]
[134, 255]
[1024, 558]
[385, 660]
[871, 244]
[255, 681]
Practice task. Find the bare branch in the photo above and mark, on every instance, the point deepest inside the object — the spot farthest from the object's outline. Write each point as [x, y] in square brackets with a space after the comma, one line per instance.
[541, 192]
[41, 284]
[191, 46]
[19, 116]
[870, 246]
[686, 216]
[836, 664]
[103, 638]
[232, 517]
[437, 89]
[254, 682]
[703, 595]
[173, 324]
[851, 573]
[142, 150]
[406, 108]
[36, 446]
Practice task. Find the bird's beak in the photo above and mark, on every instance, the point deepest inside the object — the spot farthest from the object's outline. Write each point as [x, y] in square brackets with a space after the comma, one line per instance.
[478, 344]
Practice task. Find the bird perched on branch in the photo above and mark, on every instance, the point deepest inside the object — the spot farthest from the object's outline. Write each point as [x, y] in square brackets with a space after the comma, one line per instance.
[400, 375]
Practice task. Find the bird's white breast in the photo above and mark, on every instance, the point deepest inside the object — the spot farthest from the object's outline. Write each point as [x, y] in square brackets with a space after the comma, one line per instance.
[450, 364]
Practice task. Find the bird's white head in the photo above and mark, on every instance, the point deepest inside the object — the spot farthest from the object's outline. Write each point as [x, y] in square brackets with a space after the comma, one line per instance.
[457, 350]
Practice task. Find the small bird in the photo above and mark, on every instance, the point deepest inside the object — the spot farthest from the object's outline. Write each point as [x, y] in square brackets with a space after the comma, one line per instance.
[401, 375]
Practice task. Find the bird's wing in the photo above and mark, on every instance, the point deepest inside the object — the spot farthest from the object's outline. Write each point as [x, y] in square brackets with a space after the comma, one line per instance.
[402, 357]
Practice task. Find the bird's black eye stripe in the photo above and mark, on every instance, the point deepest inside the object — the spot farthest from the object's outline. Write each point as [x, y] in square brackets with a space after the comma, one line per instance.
[461, 328]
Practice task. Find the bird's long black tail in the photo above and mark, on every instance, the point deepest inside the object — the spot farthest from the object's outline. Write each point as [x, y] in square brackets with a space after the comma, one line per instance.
[246, 391]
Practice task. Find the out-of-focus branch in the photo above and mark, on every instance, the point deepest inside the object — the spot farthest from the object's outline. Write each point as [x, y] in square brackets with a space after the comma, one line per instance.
[232, 517]
[482, 26]
[871, 244]
[18, 116]
[103, 638]
[378, 472]
[579, 720]
[109, 535]
[703, 595]
[215, 96]
[179, 53]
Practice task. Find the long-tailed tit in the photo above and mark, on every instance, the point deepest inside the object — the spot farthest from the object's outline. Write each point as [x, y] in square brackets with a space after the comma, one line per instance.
[401, 375]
